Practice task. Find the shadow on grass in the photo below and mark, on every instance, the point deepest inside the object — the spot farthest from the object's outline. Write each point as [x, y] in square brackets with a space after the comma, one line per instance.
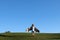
[54, 38]
[16, 35]
[26, 36]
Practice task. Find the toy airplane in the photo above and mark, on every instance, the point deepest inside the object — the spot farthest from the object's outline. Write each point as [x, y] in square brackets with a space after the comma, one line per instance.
[33, 29]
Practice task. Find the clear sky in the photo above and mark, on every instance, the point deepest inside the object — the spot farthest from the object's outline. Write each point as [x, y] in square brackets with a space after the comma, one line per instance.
[17, 15]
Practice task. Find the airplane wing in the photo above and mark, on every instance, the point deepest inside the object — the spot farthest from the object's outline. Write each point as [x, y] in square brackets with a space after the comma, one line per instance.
[36, 30]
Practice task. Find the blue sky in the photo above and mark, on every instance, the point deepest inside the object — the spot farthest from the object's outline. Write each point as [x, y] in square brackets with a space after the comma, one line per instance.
[17, 15]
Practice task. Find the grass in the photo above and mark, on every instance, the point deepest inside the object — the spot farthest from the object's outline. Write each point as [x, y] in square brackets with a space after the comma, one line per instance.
[29, 36]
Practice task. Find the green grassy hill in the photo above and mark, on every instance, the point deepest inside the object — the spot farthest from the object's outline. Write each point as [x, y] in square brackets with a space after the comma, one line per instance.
[29, 36]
